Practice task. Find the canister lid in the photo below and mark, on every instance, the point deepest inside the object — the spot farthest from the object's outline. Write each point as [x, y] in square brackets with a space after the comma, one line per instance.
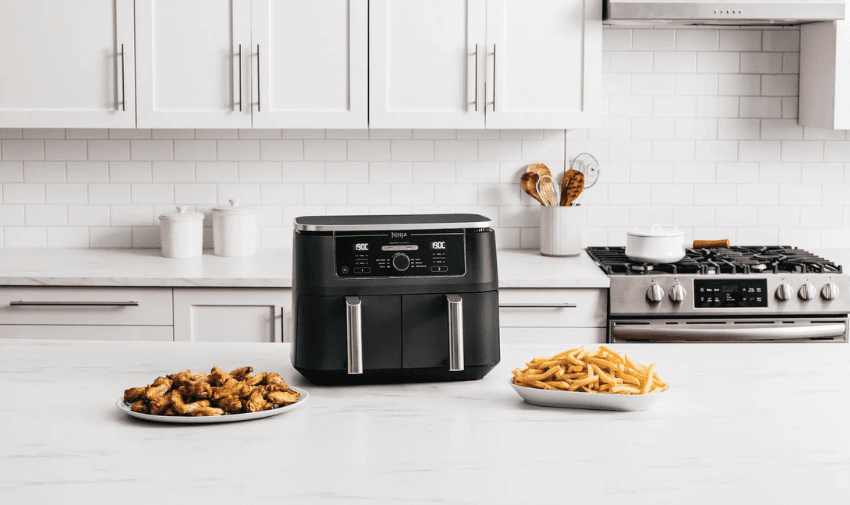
[182, 215]
[235, 207]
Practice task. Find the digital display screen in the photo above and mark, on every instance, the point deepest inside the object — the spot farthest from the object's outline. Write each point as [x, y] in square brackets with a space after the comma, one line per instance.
[730, 293]
[438, 245]
[361, 246]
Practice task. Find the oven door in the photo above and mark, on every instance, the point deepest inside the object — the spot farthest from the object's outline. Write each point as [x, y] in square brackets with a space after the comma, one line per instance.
[752, 329]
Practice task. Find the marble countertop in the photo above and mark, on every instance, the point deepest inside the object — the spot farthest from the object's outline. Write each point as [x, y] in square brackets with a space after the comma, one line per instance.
[740, 424]
[270, 268]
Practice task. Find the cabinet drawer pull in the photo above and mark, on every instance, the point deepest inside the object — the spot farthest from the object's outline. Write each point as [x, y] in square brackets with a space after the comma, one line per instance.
[537, 305]
[476, 77]
[73, 304]
[240, 77]
[123, 92]
[259, 91]
[494, 77]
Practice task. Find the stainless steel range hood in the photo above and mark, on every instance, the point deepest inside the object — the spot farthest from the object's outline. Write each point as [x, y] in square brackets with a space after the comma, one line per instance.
[721, 12]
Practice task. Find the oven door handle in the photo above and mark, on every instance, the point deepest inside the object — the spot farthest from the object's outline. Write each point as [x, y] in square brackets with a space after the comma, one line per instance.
[775, 332]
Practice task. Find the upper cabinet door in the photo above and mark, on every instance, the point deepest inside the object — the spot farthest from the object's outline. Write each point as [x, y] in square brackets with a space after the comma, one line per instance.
[422, 63]
[62, 64]
[310, 63]
[544, 63]
[191, 71]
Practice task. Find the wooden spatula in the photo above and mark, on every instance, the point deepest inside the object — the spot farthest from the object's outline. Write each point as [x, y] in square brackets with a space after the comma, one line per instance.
[547, 190]
[529, 185]
[574, 188]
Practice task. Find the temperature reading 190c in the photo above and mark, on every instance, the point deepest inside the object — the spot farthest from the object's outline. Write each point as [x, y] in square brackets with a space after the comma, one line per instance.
[438, 245]
[361, 247]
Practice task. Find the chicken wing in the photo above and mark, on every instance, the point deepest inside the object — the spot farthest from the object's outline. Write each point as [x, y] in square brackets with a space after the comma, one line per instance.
[282, 397]
[230, 404]
[141, 407]
[133, 394]
[255, 402]
[241, 372]
[207, 411]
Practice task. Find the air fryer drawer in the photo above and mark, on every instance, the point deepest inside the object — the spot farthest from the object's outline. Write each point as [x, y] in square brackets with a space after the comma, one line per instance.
[321, 332]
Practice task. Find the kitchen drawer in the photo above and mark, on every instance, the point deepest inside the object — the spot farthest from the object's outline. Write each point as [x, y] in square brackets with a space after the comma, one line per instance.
[554, 336]
[71, 332]
[232, 315]
[86, 306]
[553, 308]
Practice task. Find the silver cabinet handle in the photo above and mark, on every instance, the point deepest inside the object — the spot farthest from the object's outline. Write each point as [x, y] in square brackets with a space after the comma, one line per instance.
[663, 332]
[123, 101]
[494, 77]
[22, 303]
[455, 333]
[537, 305]
[476, 77]
[354, 334]
[240, 77]
[259, 92]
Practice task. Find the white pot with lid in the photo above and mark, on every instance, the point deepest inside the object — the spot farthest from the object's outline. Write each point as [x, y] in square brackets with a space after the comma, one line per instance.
[234, 230]
[655, 244]
[181, 233]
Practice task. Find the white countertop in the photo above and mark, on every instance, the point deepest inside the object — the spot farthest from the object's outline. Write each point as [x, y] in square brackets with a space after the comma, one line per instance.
[270, 268]
[760, 423]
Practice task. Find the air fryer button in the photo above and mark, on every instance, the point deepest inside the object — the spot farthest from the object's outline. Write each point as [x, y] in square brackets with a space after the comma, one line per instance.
[439, 269]
[362, 270]
[344, 270]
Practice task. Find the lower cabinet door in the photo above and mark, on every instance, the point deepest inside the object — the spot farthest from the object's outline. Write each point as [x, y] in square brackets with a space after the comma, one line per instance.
[71, 332]
[230, 314]
[322, 332]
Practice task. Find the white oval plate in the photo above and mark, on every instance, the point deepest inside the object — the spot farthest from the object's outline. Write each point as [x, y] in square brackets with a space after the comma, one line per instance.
[227, 418]
[582, 400]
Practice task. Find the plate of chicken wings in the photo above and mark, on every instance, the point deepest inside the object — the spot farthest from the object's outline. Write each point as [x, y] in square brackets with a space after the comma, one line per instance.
[215, 397]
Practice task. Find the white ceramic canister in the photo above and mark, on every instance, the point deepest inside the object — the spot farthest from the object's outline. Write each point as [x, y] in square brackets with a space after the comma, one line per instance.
[234, 230]
[561, 230]
[181, 233]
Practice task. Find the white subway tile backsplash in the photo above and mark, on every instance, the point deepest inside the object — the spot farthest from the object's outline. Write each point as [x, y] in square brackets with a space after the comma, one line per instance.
[760, 107]
[823, 173]
[685, 215]
[717, 106]
[647, 215]
[22, 150]
[44, 171]
[347, 134]
[836, 151]
[435, 134]
[673, 150]
[216, 134]
[66, 193]
[674, 106]
[630, 194]
[836, 194]
[646, 172]
[197, 193]
[326, 194]
[696, 84]
[673, 194]
[674, 62]
[630, 106]
[630, 61]
[478, 172]
[109, 150]
[143, 193]
[130, 171]
[653, 84]
[824, 216]
[653, 128]
[714, 194]
[802, 150]
[110, 237]
[151, 150]
[758, 194]
[653, 40]
[412, 194]
[738, 129]
[195, 150]
[779, 85]
[87, 171]
[238, 150]
[781, 129]
[739, 84]
[246, 193]
[497, 194]
[412, 150]
[810, 133]
[718, 62]
[68, 237]
[781, 40]
[737, 173]
[436, 171]
[129, 133]
[779, 216]
[222, 171]
[761, 63]
[369, 150]
[173, 134]
[259, 134]
[699, 173]
[88, 215]
[390, 172]
[503, 150]
[44, 133]
[696, 128]
[759, 150]
[697, 40]
[281, 150]
[780, 172]
[736, 215]
[302, 171]
[12, 215]
[340, 171]
[455, 150]
[25, 236]
[390, 134]
[173, 171]
[65, 150]
[620, 150]
[24, 192]
[790, 106]
[740, 40]
[800, 194]
[259, 171]
[282, 194]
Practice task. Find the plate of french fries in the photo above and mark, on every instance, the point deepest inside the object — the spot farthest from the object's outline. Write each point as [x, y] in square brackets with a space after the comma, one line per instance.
[215, 397]
[589, 379]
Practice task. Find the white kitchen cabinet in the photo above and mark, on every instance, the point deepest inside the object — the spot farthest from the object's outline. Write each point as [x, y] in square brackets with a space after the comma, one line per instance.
[422, 63]
[67, 64]
[825, 75]
[193, 59]
[312, 67]
[544, 62]
[556, 316]
[89, 313]
[485, 63]
[231, 314]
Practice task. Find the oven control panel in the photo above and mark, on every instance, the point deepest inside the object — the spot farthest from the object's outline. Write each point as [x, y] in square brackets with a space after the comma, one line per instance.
[400, 254]
[724, 293]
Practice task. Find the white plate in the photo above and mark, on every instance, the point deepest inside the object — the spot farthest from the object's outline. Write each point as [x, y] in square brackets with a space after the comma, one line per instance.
[227, 418]
[582, 400]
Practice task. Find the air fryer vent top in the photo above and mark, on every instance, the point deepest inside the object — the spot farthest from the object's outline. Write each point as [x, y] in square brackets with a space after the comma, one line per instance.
[391, 222]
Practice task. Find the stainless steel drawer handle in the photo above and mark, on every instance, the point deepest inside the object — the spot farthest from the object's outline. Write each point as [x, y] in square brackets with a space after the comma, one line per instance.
[354, 334]
[455, 333]
[537, 305]
[240, 77]
[73, 304]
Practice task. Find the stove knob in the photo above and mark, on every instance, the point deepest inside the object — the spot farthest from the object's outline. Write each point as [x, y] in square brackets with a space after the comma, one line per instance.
[401, 262]
[677, 293]
[784, 292]
[807, 292]
[655, 294]
[829, 291]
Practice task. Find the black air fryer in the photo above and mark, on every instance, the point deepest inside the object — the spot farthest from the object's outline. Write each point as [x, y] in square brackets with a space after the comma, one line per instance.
[384, 299]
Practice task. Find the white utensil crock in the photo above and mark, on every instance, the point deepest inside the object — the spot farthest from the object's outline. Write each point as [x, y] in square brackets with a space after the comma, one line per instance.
[234, 230]
[655, 244]
[181, 233]
[561, 230]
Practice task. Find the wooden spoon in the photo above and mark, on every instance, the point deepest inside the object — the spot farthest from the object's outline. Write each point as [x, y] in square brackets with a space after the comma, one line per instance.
[566, 179]
[529, 185]
[574, 188]
[540, 169]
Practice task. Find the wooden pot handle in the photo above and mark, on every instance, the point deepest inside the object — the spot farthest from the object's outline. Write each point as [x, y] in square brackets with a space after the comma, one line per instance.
[706, 244]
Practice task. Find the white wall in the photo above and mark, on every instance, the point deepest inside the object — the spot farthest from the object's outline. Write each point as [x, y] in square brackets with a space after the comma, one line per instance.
[700, 131]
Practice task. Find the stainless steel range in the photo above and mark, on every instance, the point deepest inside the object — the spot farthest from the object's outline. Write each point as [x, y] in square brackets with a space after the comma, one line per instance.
[773, 293]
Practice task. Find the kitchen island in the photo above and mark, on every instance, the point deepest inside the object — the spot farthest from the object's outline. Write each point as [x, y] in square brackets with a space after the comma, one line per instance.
[741, 423]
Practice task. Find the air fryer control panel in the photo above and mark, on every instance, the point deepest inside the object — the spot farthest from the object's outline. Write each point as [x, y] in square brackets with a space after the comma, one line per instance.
[400, 254]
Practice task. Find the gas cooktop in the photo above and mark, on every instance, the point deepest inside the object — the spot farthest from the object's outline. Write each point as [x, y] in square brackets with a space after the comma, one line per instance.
[734, 260]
